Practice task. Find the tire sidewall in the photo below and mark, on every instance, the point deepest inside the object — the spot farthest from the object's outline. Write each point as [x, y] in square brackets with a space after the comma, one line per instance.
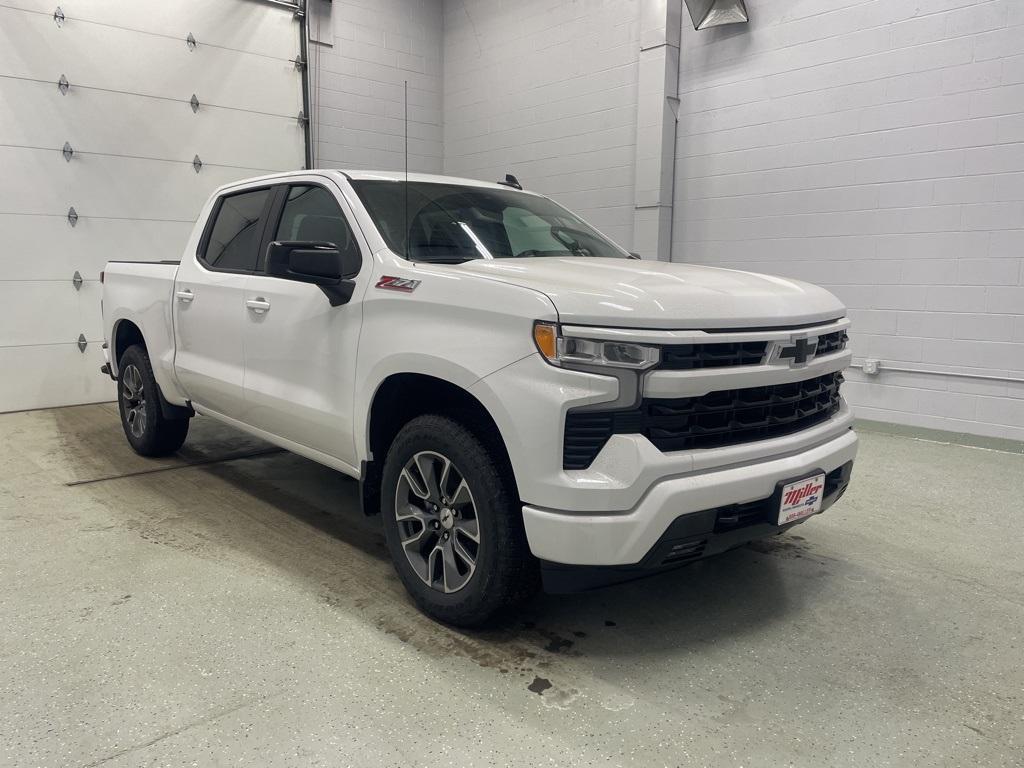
[490, 497]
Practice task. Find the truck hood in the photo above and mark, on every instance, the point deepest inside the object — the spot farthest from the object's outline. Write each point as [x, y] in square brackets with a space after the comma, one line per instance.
[652, 294]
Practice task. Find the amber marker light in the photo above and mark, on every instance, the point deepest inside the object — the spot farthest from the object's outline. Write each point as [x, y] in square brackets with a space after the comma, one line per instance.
[545, 336]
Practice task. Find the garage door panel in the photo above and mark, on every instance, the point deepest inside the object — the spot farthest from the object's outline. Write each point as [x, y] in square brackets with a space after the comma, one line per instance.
[130, 179]
[238, 24]
[53, 312]
[164, 130]
[48, 248]
[32, 46]
[49, 312]
[46, 376]
[90, 310]
[102, 186]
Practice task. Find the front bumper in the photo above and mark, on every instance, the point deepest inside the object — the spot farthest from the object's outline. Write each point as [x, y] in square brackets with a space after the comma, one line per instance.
[682, 502]
[690, 538]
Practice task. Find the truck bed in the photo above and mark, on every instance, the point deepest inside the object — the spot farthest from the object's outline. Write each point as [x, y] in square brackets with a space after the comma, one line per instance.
[141, 293]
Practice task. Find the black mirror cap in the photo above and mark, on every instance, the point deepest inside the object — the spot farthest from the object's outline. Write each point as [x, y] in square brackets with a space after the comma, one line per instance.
[319, 263]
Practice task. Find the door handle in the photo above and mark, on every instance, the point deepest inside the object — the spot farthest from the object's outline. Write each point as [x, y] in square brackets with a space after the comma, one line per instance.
[185, 296]
[259, 305]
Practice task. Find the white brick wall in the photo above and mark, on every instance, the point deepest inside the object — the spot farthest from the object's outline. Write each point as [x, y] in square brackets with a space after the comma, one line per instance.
[876, 148]
[546, 89]
[359, 81]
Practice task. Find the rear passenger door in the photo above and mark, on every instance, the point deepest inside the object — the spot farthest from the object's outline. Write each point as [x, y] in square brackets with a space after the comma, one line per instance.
[209, 302]
[300, 352]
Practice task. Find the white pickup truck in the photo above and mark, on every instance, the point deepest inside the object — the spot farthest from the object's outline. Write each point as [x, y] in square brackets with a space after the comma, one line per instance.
[521, 399]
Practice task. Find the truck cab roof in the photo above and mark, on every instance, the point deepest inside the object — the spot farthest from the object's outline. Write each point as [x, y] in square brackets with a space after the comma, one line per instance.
[361, 175]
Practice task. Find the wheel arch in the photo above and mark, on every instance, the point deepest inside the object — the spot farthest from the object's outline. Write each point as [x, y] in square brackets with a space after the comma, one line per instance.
[125, 334]
[401, 397]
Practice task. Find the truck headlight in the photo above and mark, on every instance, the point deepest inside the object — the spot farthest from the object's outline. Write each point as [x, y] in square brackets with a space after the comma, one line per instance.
[570, 351]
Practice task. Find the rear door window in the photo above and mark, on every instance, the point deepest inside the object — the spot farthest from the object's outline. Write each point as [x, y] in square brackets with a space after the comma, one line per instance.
[235, 237]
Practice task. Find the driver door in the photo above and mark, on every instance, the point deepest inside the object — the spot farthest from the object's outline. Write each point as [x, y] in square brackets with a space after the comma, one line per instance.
[300, 352]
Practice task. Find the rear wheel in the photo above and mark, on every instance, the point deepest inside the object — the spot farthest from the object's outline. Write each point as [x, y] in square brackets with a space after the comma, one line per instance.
[453, 523]
[148, 431]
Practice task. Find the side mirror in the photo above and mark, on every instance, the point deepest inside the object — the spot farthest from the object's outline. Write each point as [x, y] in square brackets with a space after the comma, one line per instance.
[319, 263]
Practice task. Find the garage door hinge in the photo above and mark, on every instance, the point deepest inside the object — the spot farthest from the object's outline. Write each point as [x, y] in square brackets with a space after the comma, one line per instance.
[197, 163]
[58, 17]
[77, 280]
[63, 85]
[82, 343]
[301, 117]
[68, 151]
[299, 62]
[190, 41]
[194, 102]
[72, 216]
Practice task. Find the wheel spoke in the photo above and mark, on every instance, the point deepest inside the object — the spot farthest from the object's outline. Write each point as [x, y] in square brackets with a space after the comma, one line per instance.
[128, 383]
[434, 564]
[412, 512]
[461, 495]
[469, 528]
[426, 464]
[463, 554]
[442, 483]
[415, 485]
[453, 580]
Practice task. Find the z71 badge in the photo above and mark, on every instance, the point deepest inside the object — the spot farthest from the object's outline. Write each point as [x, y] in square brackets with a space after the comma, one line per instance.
[403, 284]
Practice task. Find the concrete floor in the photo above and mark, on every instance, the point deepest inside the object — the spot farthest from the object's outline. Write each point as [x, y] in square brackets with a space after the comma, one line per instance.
[243, 612]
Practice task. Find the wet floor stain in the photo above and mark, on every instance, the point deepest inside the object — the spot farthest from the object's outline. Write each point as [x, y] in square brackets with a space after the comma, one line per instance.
[539, 685]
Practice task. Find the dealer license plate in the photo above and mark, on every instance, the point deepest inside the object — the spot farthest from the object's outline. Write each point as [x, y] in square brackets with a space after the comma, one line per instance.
[801, 498]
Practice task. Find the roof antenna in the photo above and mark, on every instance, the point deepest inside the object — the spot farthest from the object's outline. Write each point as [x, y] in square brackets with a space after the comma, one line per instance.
[511, 181]
[406, 170]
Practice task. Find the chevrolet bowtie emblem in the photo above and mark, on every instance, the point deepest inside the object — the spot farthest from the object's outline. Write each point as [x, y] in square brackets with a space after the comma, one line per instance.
[801, 351]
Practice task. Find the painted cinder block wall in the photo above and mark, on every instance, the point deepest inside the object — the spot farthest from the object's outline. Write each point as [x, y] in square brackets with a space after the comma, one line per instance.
[876, 148]
[359, 80]
[546, 90]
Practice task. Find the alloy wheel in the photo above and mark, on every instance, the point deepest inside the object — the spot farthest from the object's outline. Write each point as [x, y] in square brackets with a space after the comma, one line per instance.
[437, 521]
[134, 400]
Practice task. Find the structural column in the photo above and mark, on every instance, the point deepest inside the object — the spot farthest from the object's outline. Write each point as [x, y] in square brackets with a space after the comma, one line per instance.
[656, 117]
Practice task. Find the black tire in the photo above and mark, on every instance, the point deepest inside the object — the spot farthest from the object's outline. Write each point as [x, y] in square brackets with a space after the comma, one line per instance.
[138, 398]
[505, 573]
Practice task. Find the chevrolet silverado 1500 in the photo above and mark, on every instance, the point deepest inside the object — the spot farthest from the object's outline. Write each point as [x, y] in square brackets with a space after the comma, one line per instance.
[521, 400]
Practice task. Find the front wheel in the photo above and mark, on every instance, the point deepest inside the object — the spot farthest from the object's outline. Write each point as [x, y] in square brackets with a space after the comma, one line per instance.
[453, 523]
[148, 431]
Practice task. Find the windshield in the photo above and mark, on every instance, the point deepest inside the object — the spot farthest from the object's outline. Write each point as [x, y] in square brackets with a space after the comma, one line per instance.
[450, 223]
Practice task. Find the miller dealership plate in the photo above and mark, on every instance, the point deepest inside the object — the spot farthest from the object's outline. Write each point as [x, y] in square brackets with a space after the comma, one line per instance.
[801, 498]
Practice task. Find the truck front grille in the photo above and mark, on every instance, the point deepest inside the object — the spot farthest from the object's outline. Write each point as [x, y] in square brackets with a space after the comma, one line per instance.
[718, 419]
[831, 342]
[688, 357]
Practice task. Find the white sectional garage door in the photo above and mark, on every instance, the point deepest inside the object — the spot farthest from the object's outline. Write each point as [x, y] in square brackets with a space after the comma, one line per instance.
[131, 133]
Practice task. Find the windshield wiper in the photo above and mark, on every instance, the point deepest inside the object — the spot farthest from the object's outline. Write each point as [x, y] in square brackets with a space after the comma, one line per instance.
[446, 259]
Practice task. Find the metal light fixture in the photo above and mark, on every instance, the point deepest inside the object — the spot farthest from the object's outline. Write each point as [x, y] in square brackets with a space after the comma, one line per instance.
[715, 13]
